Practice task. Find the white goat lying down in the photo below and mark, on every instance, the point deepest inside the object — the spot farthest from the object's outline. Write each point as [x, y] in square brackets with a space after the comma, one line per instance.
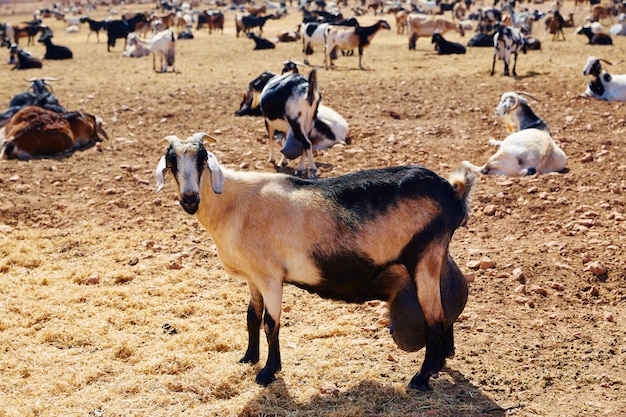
[378, 234]
[529, 150]
[602, 85]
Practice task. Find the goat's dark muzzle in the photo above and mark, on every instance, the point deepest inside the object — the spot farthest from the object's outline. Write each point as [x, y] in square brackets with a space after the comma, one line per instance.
[190, 202]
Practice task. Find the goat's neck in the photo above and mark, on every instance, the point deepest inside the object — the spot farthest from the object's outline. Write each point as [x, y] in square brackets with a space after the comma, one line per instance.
[527, 119]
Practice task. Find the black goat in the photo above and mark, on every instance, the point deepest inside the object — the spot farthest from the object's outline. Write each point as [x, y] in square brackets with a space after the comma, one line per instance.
[595, 38]
[23, 59]
[261, 43]
[95, 26]
[444, 47]
[54, 51]
[481, 40]
[38, 94]
[246, 23]
[119, 29]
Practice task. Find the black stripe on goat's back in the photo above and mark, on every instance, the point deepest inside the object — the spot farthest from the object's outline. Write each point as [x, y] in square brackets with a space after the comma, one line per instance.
[370, 193]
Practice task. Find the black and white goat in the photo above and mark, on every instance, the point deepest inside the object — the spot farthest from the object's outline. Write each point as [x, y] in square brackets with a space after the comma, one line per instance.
[54, 52]
[379, 234]
[329, 127]
[289, 103]
[507, 41]
[445, 47]
[529, 149]
[602, 85]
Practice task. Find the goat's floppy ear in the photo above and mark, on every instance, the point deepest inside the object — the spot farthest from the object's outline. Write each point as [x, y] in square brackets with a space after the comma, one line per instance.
[160, 174]
[217, 176]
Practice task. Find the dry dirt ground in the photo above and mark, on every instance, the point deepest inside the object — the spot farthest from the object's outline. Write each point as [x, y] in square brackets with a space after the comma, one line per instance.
[113, 301]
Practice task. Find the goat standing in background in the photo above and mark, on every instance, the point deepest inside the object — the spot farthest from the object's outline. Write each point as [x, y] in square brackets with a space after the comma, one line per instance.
[163, 44]
[289, 103]
[379, 234]
[507, 41]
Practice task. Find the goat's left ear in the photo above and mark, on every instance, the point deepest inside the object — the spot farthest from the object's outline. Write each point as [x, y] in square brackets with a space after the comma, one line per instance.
[160, 174]
[217, 176]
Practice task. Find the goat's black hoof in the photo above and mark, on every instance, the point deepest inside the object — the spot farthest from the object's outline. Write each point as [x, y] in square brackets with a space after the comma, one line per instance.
[420, 382]
[265, 378]
[249, 359]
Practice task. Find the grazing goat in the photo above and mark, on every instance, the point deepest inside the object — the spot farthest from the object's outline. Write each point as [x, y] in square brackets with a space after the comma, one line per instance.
[261, 43]
[34, 131]
[371, 235]
[54, 52]
[289, 102]
[444, 47]
[507, 41]
[349, 38]
[424, 25]
[163, 44]
[594, 38]
[602, 85]
[529, 150]
[95, 26]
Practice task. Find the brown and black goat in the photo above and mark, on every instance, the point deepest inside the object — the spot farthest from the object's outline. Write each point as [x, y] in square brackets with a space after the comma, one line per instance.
[36, 132]
[378, 234]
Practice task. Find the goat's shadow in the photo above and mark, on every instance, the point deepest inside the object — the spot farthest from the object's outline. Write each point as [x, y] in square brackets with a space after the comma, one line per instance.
[453, 395]
[530, 74]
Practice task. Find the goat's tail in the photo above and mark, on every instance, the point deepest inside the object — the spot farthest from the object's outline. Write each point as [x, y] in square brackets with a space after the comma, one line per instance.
[462, 181]
[312, 93]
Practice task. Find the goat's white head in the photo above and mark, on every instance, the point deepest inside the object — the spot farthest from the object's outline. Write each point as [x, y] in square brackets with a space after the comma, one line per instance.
[186, 161]
[593, 66]
[511, 101]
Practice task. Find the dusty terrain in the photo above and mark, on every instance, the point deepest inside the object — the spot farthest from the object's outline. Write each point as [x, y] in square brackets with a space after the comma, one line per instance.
[113, 301]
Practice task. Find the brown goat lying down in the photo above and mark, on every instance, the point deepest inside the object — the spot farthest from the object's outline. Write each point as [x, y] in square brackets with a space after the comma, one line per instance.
[35, 131]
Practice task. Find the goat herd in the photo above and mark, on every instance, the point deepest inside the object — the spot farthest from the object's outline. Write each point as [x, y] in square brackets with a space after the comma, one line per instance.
[393, 225]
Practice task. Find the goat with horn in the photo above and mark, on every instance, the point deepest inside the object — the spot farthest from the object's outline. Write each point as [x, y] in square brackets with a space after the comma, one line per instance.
[529, 149]
[602, 85]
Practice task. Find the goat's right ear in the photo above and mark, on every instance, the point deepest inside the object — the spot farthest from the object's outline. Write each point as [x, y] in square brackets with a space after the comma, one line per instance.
[217, 176]
[160, 174]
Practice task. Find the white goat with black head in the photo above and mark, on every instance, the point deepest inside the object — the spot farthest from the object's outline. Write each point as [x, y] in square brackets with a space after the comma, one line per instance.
[529, 149]
[372, 235]
[602, 85]
[289, 104]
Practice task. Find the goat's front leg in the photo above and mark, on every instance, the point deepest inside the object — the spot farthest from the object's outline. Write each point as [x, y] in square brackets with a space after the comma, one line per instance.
[270, 134]
[273, 302]
[255, 313]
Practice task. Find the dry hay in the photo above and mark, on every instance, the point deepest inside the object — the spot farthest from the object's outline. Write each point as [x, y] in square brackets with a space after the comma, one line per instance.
[113, 302]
